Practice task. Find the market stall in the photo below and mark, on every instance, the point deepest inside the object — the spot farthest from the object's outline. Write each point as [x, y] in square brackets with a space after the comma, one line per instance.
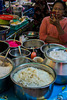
[25, 45]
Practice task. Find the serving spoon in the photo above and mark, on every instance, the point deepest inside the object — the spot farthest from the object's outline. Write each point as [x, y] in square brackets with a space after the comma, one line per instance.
[5, 57]
[63, 48]
[19, 49]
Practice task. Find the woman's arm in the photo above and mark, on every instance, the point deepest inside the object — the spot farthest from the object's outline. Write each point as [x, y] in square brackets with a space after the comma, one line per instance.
[43, 30]
[62, 31]
[56, 22]
[52, 40]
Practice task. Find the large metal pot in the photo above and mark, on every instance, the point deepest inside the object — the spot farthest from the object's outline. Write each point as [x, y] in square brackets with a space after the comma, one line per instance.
[58, 65]
[5, 81]
[33, 44]
[4, 46]
[45, 47]
[36, 92]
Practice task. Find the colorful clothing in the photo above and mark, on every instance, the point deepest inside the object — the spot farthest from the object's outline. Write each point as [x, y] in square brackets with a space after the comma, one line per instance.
[48, 29]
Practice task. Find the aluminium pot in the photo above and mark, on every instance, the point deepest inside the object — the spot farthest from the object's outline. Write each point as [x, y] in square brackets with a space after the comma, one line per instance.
[35, 92]
[59, 66]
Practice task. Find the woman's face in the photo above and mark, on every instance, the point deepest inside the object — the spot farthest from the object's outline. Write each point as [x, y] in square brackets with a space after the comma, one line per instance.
[59, 9]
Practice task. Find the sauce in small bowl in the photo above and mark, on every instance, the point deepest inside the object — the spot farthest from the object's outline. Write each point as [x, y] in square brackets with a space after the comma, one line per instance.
[13, 43]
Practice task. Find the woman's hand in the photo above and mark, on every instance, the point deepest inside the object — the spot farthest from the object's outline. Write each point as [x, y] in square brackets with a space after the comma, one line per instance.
[54, 21]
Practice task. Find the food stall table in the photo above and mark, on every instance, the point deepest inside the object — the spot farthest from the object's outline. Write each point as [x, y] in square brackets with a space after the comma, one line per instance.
[10, 95]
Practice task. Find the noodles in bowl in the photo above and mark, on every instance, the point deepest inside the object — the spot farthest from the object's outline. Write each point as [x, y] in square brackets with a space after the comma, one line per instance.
[33, 77]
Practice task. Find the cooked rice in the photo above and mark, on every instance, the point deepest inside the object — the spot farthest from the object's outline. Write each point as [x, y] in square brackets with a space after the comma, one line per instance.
[33, 77]
[59, 55]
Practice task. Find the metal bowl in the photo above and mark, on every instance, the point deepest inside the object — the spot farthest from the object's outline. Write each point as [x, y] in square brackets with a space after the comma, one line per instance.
[33, 44]
[4, 46]
[45, 47]
[58, 65]
[21, 60]
[36, 92]
[31, 34]
[13, 43]
[15, 52]
[5, 81]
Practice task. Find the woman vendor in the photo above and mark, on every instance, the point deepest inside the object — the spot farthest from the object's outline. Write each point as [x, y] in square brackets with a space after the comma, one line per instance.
[54, 29]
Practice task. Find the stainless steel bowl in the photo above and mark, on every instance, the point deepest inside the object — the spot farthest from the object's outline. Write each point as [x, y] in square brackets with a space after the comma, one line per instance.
[45, 47]
[12, 44]
[59, 66]
[15, 52]
[5, 81]
[4, 46]
[21, 60]
[31, 34]
[33, 91]
[33, 44]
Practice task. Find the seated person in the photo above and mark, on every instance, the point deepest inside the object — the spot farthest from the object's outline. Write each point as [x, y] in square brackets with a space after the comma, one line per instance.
[54, 29]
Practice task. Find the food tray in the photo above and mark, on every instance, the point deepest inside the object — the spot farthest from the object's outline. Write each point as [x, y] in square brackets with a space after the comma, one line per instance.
[16, 27]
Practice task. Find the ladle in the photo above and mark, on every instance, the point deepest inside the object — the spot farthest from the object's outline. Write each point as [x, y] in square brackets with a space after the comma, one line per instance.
[19, 49]
[5, 57]
[14, 36]
[62, 48]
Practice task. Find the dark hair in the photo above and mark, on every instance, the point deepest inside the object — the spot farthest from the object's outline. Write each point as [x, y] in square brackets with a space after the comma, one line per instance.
[59, 1]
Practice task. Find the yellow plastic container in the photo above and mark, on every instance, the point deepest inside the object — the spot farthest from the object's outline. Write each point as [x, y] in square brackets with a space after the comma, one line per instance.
[4, 22]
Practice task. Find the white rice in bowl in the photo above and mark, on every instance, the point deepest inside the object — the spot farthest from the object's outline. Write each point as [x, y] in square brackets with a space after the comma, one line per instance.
[59, 55]
[33, 77]
[5, 69]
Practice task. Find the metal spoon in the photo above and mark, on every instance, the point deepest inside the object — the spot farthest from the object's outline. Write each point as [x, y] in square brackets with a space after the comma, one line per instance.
[5, 57]
[14, 36]
[63, 48]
